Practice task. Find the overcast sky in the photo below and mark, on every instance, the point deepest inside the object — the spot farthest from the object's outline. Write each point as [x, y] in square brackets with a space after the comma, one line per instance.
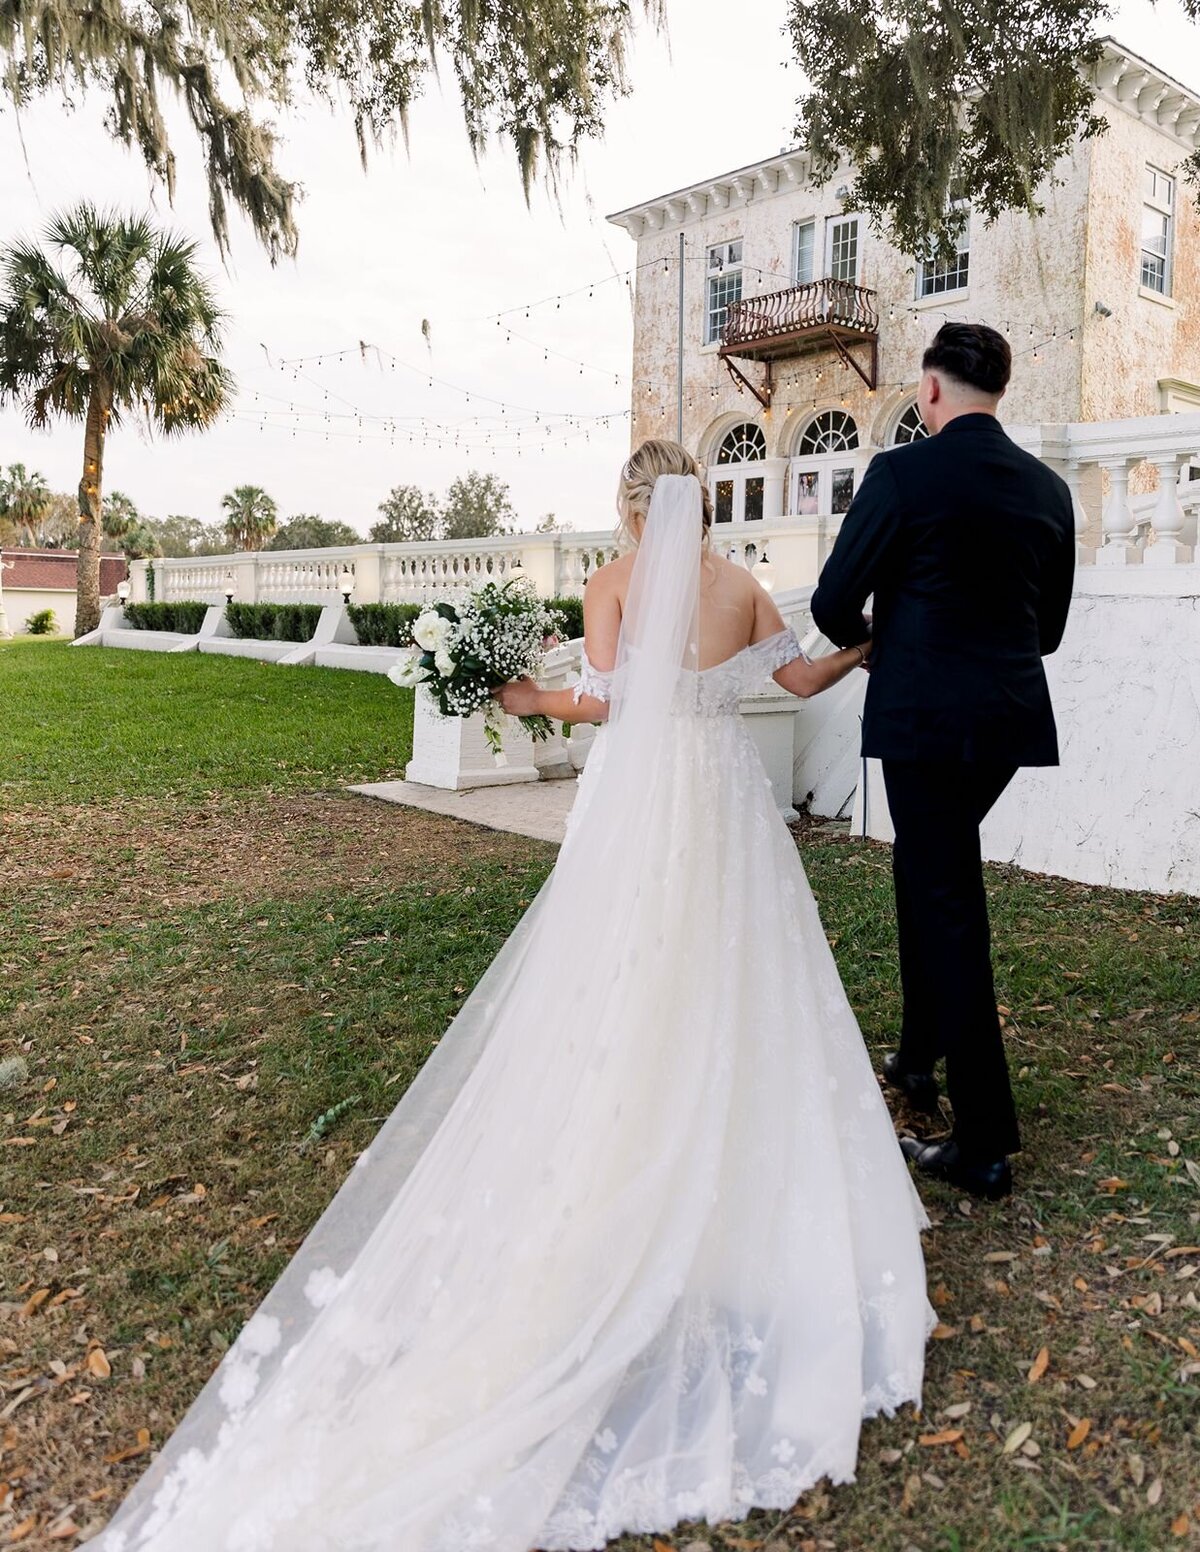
[430, 235]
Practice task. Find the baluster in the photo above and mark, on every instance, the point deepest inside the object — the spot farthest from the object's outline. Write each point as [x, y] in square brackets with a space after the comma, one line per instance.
[1118, 548]
[1167, 547]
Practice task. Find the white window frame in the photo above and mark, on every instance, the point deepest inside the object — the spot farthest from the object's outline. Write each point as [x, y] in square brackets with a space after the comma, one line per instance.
[832, 224]
[720, 268]
[1158, 196]
[737, 475]
[932, 271]
[798, 227]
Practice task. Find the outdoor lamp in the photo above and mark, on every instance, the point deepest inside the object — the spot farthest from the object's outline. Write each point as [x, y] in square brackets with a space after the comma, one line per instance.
[230, 587]
[515, 568]
[124, 590]
[347, 584]
[764, 572]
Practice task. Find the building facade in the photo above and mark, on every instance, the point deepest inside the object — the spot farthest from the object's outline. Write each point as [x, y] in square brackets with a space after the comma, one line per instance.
[782, 336]
[34, 580]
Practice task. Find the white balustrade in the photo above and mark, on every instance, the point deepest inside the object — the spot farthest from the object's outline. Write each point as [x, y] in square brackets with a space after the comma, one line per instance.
[1147, 516]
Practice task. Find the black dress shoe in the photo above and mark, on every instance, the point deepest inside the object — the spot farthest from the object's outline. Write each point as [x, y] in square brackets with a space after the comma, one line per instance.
[919, 1088]
[942, 1161]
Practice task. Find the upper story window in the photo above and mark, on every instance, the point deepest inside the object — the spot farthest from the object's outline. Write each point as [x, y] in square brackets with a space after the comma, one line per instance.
[804, 257]
[743, 444]
[841, 249]
[833, 431]
[724, 285]
[910, 427]
[937, 276]
[1158, 230]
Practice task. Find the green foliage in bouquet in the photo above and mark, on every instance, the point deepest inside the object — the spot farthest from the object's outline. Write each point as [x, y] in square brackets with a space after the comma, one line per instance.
[462, 653]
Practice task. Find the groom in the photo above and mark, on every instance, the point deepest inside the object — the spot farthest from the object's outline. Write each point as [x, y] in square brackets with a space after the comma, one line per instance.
[968, 545]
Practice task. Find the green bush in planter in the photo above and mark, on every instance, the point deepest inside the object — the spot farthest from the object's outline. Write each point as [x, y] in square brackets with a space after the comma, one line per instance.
[41, 623]
[384, 625]
[273, 622]
[183, 618]
[570, 613]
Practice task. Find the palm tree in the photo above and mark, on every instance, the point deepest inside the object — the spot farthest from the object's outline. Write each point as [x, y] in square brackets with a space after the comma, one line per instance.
[123, 324]
[251, 517]
[24, 500]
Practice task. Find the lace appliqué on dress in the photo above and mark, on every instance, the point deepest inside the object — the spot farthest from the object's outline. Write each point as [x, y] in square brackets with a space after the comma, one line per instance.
[593, 682]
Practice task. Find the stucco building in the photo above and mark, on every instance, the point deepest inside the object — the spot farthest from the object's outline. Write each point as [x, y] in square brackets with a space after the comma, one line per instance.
[784, 336]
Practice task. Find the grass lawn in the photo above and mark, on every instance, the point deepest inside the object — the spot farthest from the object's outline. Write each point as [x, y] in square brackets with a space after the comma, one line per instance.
[207, 946]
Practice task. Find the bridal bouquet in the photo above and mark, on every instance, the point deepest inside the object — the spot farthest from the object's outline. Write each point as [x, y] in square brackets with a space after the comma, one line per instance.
[465, 651]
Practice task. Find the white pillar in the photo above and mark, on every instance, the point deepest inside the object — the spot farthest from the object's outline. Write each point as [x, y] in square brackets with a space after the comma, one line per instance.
[774, 472]
[1118, 548]
[5, 630]
[1167, 547]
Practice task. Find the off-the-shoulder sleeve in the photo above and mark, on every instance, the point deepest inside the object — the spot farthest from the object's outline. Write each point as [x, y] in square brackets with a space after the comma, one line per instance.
[766, 657]
[593, 682]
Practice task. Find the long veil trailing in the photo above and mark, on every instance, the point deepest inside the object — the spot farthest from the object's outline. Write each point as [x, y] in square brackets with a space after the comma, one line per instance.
[638, 1244]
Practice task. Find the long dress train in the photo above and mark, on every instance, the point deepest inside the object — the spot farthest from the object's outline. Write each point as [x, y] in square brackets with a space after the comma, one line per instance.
[639, 1245]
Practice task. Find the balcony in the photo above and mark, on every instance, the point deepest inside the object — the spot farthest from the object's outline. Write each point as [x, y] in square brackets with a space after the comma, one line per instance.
[818, 315]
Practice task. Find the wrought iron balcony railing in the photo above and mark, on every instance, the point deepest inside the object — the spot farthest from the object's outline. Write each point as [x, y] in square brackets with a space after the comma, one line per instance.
[820, 314]
[767, 325]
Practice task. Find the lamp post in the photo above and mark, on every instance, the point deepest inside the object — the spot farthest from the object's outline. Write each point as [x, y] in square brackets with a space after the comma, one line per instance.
[123, 591]
[346, 584]
[764, 572]
[230, 588]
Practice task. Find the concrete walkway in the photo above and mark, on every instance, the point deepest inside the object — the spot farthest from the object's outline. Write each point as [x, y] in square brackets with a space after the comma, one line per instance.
[535, 808]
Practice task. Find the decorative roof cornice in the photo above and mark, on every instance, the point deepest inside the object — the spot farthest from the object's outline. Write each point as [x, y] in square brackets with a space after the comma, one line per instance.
[790, 169]
[1121, 78]
[1135, 86]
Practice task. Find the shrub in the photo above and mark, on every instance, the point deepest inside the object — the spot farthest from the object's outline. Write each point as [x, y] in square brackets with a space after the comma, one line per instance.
[273, 622]
[185, 618]
[570, 612]
[41, 623]
[384, 625]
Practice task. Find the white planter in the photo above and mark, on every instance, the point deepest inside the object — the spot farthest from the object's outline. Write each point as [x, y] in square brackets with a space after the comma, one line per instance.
[771, 722]
[453, 752]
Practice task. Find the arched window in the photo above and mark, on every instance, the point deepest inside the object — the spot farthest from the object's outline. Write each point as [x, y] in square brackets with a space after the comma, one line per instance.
[910, 427]
[742, 444]
[833, 431]
[738, 497]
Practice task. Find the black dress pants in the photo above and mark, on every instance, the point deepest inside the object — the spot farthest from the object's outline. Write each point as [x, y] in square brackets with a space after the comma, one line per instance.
[945, 943]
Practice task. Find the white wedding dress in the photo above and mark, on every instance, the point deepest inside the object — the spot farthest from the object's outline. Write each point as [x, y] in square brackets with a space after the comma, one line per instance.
[639, 1245]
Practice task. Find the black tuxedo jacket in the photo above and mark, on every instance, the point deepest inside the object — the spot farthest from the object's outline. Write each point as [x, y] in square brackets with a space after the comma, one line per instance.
[968, 544]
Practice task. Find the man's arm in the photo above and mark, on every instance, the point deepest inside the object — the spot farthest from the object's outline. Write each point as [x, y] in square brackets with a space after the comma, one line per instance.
[1057, 586]
[849, 575]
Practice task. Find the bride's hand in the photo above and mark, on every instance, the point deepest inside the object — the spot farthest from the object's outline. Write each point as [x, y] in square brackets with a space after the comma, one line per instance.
[865, 648]
[520, 698]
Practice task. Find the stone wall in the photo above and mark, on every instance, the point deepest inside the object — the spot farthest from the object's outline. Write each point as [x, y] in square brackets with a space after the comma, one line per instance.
[1147, 338]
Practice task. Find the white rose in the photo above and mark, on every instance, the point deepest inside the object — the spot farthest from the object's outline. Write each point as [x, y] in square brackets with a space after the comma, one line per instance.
[430, 631]
[445, 663]
[406, 671]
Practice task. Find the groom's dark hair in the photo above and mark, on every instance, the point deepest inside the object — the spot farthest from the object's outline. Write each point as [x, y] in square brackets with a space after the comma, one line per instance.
[971, 353]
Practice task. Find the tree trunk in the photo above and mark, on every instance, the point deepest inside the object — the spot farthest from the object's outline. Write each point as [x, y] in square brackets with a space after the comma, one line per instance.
[87, 576]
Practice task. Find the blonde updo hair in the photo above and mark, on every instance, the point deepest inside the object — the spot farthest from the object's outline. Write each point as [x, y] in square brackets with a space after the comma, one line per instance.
[636, 486]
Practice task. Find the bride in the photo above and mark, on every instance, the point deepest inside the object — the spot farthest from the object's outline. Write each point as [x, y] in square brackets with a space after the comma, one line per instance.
[639, 1245]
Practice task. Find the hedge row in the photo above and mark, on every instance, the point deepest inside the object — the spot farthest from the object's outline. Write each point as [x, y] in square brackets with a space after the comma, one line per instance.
[570, 612]
[185, 618]
[375, 625]
[273, 622]
[384, 625]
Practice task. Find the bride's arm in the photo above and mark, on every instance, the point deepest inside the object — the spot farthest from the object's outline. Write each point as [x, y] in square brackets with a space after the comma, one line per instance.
[801, 677]
[601, 631]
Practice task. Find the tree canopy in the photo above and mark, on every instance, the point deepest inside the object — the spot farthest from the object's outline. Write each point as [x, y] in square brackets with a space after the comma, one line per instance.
[926, 101]
[307, 531]
[540, 74]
